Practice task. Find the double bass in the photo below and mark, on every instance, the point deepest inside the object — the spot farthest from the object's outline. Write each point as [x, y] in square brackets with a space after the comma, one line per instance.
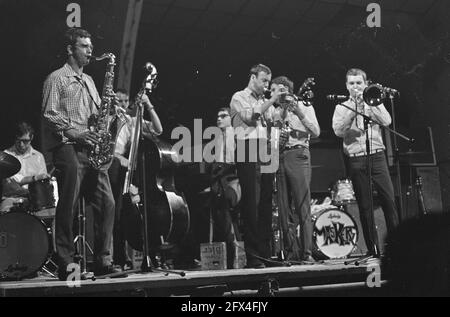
[162, 215]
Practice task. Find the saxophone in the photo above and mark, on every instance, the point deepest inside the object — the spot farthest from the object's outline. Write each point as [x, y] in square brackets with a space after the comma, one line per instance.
[104, 124]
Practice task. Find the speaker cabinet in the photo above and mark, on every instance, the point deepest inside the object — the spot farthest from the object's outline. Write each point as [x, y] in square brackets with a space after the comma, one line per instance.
[431, 189]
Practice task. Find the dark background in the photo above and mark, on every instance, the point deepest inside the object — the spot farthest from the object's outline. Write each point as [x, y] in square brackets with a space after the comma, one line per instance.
[203, 50]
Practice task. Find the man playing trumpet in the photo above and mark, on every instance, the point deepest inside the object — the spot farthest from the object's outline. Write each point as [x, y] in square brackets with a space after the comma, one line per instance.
[299, 123]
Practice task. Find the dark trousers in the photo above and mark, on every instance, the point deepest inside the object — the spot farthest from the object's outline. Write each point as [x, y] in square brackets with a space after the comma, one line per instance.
[117, 178]
[293, 180]
[224, 229]
[256, 207]
[383, 184]
[76, 177]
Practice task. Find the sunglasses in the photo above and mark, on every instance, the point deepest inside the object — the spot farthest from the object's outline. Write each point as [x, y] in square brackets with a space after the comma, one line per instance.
[24, 141]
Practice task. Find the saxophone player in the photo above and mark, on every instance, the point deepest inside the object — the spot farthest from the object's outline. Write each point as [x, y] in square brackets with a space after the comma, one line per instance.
[294, 173]
[69, 99]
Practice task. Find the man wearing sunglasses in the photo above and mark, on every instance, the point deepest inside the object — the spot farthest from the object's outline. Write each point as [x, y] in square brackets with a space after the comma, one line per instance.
[32, 169]
[225, 188]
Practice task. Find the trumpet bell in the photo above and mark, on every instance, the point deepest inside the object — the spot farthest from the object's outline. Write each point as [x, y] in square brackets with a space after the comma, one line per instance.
[373, 95]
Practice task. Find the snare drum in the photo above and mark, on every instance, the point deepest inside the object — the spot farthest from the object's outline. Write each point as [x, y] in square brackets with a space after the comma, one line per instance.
[25, 245]
[342, 192]
[42, 194]
[335, 234]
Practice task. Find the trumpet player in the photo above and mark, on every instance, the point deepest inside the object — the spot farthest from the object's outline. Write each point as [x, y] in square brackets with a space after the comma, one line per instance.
[298, 123]
[248, 109]
[350, 127]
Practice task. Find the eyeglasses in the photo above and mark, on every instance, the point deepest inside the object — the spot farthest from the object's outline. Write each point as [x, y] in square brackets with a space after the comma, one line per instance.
[222, 116]
[85, 46]
[24, 141]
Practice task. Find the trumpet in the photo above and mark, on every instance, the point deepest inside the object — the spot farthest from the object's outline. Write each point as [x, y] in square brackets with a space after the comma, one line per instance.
[374, 94]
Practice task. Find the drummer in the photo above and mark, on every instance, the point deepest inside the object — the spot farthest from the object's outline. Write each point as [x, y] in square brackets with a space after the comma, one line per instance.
[33, 168]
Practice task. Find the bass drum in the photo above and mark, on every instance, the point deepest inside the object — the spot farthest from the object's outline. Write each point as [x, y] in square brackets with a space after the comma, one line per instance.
[335, 234]
[25, 245]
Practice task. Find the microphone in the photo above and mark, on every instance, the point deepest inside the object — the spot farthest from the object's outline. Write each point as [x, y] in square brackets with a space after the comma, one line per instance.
[337, 97]
[391, 91]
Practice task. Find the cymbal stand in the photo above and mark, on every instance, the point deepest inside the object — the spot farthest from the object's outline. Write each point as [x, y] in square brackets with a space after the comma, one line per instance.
[277, 227]
[80, 240]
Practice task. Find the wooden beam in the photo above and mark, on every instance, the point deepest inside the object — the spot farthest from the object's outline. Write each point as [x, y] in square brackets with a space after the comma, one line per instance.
[129, 43]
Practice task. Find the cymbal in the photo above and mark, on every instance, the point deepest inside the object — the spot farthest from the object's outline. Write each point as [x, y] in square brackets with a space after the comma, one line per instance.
[9, 165]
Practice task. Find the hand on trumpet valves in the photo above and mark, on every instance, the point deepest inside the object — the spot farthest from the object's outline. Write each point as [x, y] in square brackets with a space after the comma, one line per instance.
[278, 92]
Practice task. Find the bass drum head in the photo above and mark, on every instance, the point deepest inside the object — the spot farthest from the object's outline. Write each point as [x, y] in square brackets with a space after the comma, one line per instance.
[335, 234]
[24, 245]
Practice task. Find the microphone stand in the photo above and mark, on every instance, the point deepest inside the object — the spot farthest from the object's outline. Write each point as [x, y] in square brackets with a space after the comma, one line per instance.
[372, 230]
[397, 158]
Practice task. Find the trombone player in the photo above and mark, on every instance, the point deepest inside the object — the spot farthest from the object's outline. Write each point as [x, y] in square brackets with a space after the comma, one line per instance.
[349, 126]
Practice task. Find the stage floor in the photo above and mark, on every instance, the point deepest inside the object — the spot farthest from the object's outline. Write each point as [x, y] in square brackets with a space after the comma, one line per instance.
[199, 283]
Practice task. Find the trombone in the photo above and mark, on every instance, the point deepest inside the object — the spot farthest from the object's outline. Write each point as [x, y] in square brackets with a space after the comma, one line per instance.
[374, 94]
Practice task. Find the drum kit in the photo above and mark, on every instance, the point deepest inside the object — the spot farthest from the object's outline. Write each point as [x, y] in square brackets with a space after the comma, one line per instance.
[26, 242]
[335, 232]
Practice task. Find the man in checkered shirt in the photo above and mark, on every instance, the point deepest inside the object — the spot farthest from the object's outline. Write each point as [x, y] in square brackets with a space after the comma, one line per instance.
[69, 99]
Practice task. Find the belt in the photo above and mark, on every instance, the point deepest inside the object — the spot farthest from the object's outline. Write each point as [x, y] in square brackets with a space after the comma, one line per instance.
[364, 153]
[294, 147]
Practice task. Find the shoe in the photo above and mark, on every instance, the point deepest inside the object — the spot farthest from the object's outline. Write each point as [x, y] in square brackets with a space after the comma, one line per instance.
[255, 264]
[275, 263]
[110, 269]
[308, 260]
[127, 266]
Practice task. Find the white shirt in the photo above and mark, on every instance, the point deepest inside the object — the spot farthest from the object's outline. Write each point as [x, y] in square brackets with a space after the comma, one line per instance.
[123, 141]
[32, 163]
[246, 115]
[302, 129]
[351, 128]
